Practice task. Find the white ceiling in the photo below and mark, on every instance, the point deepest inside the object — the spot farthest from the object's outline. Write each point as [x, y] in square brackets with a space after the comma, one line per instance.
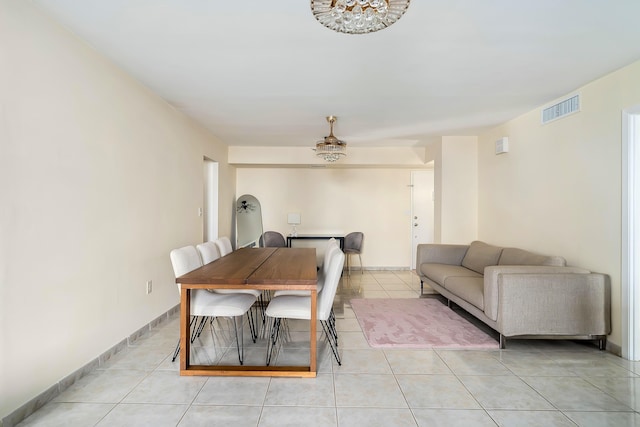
[266, 73]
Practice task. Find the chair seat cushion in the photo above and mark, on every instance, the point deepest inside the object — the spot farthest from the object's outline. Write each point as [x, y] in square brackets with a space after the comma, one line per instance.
[296, 292]
[256, 293]
[205, 303]
[290, 306]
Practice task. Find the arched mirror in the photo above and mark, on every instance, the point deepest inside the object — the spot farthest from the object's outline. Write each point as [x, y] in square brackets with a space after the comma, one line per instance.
[248, 221]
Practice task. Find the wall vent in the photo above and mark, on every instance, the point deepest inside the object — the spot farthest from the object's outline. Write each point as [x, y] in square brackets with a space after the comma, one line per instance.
[561, 109]
[502, 145]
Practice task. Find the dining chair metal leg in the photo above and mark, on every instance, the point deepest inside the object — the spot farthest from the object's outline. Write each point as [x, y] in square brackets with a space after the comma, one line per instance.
[263, 301]
[253, 326]
[272, 338]
[196, 333]
[238, 325]
[332, 322]
[177, 350]
[332, 338]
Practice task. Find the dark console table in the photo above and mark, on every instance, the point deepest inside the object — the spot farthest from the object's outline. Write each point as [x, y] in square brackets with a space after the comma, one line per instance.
[339, 238]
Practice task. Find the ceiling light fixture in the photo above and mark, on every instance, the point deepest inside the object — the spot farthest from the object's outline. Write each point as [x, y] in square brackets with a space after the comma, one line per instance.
[358, 16]
[331, 148]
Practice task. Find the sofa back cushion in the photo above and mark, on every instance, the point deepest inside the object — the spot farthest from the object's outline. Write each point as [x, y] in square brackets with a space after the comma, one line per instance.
[481, 255]
[515, 256]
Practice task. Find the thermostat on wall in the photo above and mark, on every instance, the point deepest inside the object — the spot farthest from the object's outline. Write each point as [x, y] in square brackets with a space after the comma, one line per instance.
[502, 145]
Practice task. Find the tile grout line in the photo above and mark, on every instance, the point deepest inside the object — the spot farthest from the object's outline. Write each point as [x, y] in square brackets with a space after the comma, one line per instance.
[47, 396]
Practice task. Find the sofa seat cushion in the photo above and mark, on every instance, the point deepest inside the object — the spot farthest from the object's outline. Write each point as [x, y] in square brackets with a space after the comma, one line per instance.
[481, 255]
[440, 272]
[470, 289]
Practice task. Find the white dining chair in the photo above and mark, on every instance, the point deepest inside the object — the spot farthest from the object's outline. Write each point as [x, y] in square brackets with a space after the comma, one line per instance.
[299, 307]
[330, 248]
[209, 252]
[210, 304]
[224, 245]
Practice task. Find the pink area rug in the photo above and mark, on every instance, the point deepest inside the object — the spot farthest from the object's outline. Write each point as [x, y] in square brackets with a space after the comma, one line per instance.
[417, 323]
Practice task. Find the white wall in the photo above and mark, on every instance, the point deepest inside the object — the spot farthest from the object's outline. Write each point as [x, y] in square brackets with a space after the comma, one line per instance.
[374, 201]
[99, 180]
[456, 189]
[558, 190]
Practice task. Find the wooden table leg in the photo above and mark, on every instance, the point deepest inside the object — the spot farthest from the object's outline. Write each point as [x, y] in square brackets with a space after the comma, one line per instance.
[313, 352]
[185, 318]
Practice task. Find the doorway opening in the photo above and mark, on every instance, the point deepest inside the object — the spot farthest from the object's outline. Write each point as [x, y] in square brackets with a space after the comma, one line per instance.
[210, 201]
[631, 233]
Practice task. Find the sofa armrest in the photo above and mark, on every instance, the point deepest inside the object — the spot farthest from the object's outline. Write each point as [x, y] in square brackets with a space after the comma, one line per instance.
[554, 304]
[492, 273]
[440, 254]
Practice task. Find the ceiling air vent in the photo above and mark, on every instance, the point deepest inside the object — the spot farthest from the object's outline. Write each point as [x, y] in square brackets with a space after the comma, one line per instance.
[561, 109]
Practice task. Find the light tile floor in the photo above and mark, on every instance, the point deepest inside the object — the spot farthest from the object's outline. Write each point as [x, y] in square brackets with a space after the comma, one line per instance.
[531, 383]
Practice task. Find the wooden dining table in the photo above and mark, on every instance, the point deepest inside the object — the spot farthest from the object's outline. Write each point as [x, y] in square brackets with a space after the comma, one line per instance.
[251, 268]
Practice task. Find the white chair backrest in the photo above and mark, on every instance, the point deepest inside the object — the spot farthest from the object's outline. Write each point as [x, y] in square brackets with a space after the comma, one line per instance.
[331, 243]
[184, 260]
[224, 246]
[331, 281]
[208, 251]
[331, 248]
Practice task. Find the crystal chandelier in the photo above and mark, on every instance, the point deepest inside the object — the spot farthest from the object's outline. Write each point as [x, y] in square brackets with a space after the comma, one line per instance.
[358, 16]
[331, 148]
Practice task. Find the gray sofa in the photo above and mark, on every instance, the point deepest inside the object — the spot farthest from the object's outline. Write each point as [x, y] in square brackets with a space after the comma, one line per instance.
[519, 293]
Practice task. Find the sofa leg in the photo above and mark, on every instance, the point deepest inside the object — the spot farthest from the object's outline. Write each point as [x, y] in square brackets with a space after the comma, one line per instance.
[602, 342]
[421, 287]
[503, 342]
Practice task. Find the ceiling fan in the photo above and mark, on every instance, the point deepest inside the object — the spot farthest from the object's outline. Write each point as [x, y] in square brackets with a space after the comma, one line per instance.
[331, 149]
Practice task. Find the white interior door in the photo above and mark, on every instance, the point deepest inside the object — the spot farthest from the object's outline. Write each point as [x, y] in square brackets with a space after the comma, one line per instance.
[422, 210]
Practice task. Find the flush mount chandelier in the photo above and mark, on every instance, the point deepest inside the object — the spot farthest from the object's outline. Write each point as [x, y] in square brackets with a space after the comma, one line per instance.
[358, 16]
[331, 149]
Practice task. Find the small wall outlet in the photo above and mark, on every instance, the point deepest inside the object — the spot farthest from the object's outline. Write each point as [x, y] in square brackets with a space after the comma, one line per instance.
[149, 286]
